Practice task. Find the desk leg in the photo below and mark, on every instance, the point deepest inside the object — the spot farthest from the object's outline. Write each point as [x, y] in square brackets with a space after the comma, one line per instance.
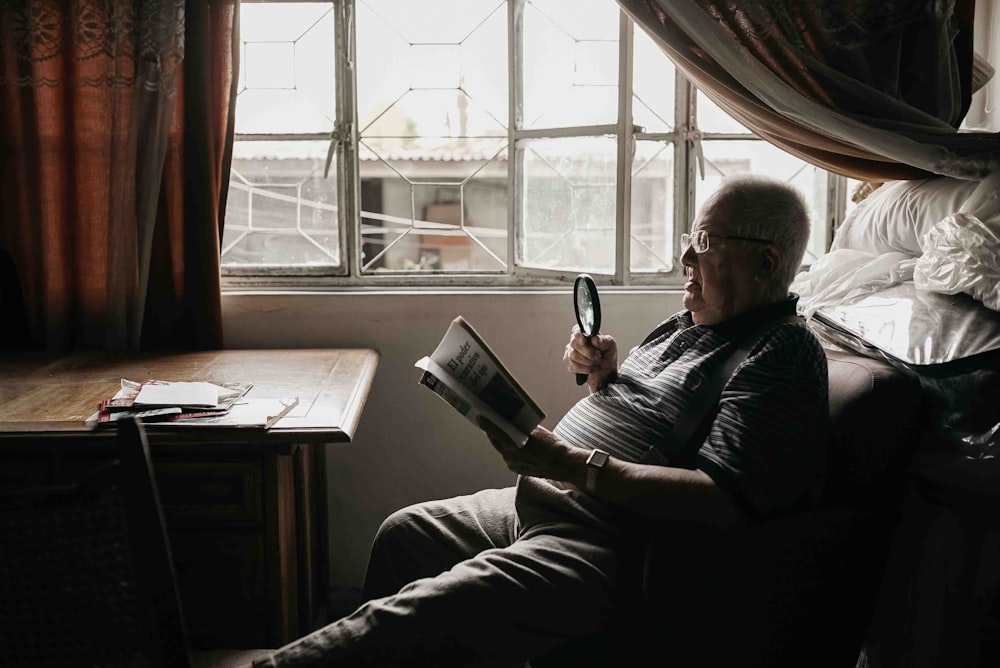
[322, 531]
[282, 545]
[312, 529]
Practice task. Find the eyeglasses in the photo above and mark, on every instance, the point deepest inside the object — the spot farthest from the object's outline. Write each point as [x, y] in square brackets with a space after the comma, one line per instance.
[699, 240]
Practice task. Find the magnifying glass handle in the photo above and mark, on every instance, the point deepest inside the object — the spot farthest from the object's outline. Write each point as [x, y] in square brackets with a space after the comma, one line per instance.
[581, 378]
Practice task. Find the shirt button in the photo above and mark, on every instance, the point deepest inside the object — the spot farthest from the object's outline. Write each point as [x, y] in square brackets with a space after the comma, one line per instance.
[694, 382]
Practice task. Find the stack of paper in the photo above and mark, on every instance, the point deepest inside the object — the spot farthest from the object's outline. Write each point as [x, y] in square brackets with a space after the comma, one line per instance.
[192, 404]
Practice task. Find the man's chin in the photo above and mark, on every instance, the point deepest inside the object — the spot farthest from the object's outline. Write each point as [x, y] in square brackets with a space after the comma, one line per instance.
[691, 299]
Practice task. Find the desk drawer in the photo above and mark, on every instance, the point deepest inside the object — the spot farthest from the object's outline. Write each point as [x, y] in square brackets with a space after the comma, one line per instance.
[24, 470]
[202, 492]
[29, 469]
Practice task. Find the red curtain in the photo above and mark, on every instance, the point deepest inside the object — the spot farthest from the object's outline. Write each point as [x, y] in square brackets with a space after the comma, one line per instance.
[116, 124]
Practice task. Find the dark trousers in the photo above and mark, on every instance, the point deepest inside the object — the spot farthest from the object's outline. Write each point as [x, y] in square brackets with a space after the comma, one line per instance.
[489, 579]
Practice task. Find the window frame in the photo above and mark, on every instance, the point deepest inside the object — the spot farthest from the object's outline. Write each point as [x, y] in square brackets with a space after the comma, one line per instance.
[345, 154]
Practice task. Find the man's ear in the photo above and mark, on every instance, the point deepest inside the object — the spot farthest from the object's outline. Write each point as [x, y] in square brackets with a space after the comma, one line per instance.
[768, 263]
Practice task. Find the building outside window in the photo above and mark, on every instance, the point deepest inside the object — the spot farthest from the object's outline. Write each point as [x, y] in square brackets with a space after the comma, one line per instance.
[475, 142]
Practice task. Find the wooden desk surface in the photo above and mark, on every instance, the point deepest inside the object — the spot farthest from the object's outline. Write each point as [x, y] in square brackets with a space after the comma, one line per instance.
[44, 393]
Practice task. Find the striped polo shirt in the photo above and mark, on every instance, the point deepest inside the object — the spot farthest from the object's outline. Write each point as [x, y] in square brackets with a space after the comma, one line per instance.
[767, 444]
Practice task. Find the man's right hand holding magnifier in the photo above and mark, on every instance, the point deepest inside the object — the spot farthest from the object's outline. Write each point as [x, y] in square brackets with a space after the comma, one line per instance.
[596, 356]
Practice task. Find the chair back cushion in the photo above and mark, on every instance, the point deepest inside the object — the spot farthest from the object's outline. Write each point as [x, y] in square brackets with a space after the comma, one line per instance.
[875, 410]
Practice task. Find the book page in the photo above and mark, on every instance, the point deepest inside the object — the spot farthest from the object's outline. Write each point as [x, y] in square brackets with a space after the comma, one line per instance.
[466, 357]
[442, 383]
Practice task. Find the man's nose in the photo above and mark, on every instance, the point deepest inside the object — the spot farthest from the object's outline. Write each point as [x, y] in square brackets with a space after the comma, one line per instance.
[689, 257]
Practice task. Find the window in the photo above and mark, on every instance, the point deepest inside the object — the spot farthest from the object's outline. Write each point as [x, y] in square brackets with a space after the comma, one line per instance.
[474, 142]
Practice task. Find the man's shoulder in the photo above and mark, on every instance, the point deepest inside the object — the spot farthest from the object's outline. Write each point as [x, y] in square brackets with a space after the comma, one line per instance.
[792, 337]
[679, 320]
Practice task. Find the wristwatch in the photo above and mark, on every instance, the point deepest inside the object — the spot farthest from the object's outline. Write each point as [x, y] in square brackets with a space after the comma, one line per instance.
[595, 462]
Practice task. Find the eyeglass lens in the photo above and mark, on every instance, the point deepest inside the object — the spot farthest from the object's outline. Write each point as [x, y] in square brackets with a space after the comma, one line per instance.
[699, 240]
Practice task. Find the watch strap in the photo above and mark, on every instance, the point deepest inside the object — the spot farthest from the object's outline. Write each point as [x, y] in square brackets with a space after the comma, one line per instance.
[595, 462]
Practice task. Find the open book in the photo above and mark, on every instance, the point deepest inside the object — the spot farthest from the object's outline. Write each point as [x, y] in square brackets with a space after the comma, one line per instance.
[463, 371]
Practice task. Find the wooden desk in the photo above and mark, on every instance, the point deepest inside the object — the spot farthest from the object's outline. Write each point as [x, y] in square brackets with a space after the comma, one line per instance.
[245, 507]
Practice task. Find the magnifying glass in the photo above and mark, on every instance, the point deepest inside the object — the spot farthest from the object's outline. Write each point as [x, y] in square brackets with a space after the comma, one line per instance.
[587, 305]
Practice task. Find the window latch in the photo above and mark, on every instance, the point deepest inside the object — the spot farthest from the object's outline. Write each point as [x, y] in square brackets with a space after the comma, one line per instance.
[694, 139]
[342, 133]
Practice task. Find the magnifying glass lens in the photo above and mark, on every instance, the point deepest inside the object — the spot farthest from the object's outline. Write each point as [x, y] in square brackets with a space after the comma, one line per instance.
[585, 310]
[587, 305]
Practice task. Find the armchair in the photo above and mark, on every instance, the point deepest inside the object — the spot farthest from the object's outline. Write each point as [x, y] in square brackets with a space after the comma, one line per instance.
[797, 590]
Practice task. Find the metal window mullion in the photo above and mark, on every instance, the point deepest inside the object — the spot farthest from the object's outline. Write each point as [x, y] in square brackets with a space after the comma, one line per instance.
[626, 147]
[515, 117]
[568, 131]
[728, 136]
[284, 136]
[348, 161]
[685, 123]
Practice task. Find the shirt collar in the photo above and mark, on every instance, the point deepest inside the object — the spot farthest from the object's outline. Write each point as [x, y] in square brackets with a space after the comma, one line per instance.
[749, 321]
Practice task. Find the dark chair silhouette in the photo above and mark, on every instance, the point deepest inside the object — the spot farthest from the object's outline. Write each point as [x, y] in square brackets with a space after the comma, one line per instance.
[787, 592]
[86, 577]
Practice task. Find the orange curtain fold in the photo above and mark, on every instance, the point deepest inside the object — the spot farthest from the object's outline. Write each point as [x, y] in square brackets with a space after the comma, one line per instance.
[115, 122]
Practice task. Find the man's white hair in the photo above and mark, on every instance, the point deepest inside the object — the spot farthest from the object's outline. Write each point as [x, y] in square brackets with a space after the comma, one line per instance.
[767, 208]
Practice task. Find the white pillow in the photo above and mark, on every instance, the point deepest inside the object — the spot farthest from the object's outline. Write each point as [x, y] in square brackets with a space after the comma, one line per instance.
[897, 215]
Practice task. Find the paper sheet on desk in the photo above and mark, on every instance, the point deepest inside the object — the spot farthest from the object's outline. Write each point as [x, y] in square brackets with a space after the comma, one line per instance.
[258, 413]
[195, 394]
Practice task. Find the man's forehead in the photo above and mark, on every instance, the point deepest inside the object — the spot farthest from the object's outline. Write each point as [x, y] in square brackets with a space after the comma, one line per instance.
[716, 215]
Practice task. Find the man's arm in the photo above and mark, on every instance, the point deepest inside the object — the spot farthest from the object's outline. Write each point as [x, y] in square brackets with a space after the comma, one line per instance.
[655, 492]
[665, 492]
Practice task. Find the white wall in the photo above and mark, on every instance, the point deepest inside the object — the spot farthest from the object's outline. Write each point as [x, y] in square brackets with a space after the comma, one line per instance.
[410, 446]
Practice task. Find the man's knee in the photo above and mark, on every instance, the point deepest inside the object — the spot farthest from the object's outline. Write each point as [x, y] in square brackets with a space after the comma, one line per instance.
[401, 528]
[380, 577]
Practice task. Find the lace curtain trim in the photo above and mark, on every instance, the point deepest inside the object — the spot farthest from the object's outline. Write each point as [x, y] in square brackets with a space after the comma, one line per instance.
[120, 44]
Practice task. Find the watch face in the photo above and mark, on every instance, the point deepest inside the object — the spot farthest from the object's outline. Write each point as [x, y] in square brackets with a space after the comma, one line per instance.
[597, 458]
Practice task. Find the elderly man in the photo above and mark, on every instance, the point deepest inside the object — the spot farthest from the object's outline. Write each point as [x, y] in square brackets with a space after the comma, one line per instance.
[501, 576]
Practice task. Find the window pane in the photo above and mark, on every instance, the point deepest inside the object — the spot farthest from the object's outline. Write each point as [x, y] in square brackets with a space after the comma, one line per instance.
[652, 85]
[713, 119]
[406, 49]
[569, 204]
[281, 212]
[286, 70]
[652, 207]
[439, 216]
[432, 105]
[570, 63]
[730, 158]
